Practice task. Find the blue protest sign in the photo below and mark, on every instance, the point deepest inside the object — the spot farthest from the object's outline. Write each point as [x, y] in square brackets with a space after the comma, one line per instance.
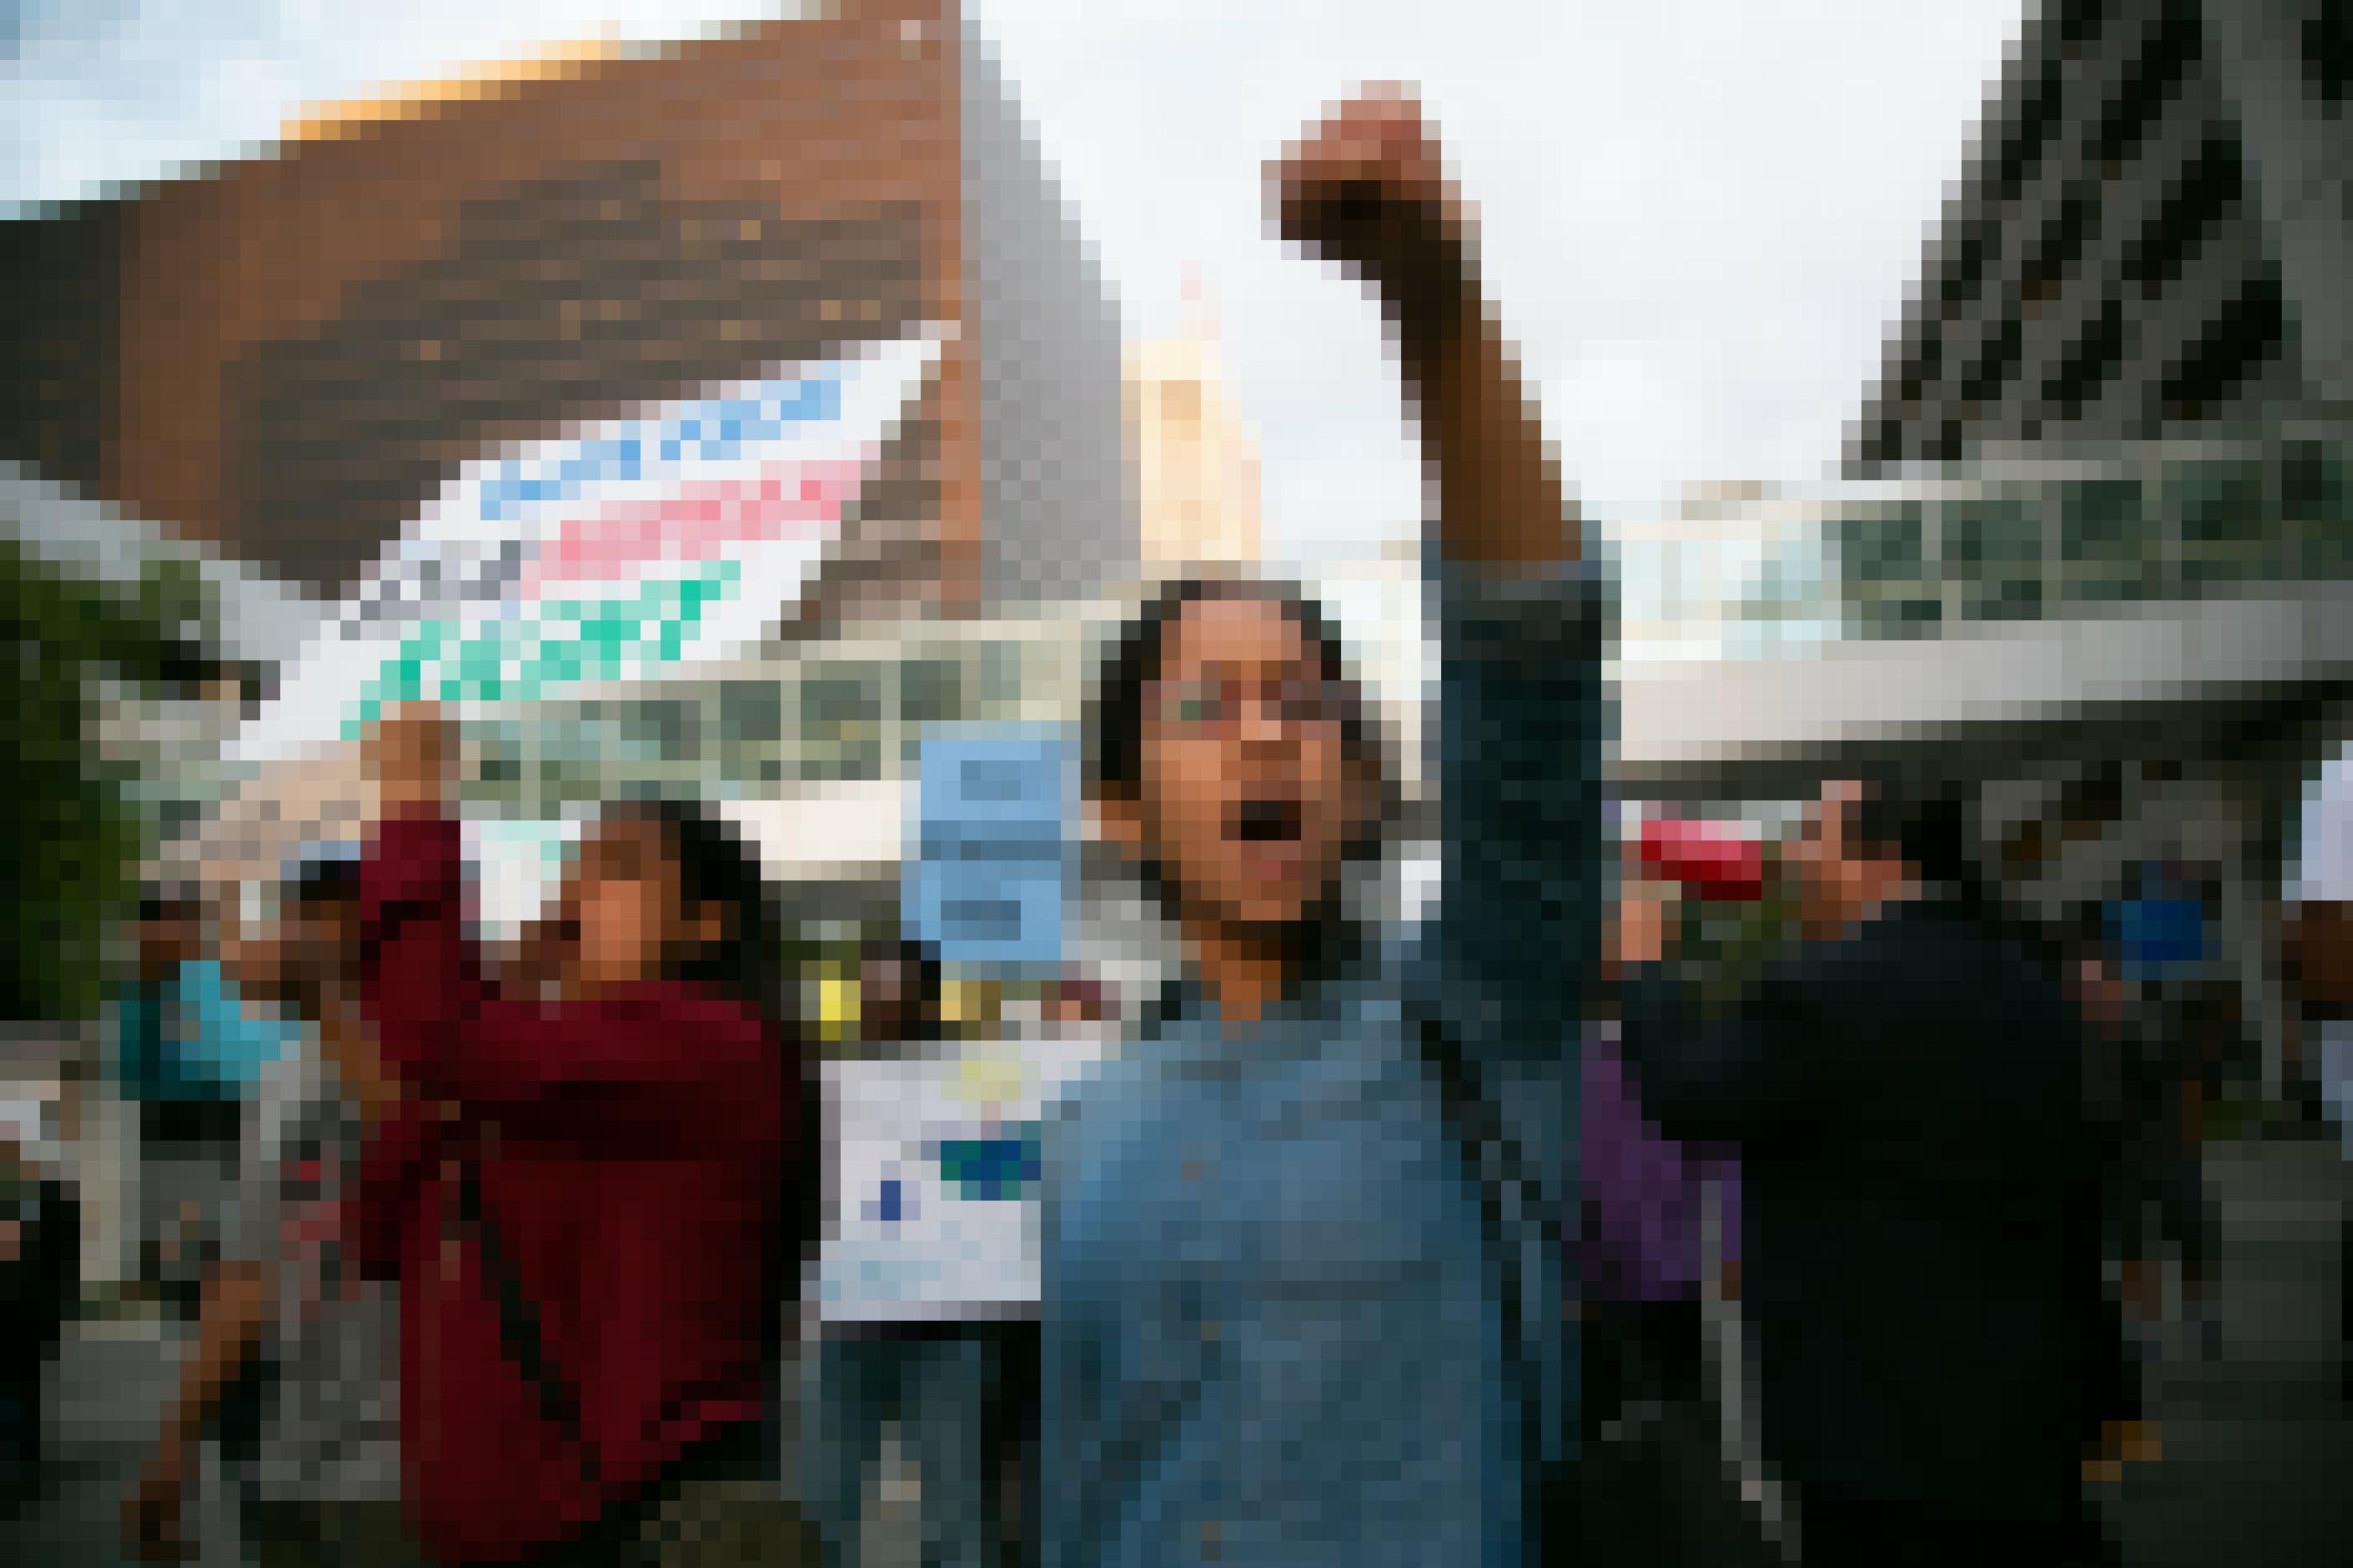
[993, 856]
[2158, 935]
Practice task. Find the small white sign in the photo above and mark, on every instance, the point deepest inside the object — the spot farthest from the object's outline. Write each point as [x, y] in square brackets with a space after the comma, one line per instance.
[932, 1195]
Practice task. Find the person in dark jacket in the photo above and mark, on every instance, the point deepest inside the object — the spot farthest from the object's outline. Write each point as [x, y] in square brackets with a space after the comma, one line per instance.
[1920, 1197]
[40, 1277]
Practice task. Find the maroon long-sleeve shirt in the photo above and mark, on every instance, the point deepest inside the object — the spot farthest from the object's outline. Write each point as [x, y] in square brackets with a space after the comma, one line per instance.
[631, 1154]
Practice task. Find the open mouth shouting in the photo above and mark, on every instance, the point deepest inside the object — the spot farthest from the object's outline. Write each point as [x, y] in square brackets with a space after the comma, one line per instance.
[1268, 831]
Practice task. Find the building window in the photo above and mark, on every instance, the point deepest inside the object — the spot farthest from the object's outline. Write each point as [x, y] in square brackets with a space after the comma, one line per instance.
[2029, 132]
[2090, 363]
[661, 730]
[2105, 546]
[931, 691]
[2210, 186]
[1993, 547]
[1983, 387]
[1000, 677]
[1883, 576]
[2317, 499]
[841, 724]
[2154, 81]
[2059, 250]
[751, 719]
[2225, 536]
[751, 712]
[2241, 339]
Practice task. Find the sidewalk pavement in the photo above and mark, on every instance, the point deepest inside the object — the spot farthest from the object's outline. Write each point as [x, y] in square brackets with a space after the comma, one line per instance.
[2254, 1448]
[106, 1397]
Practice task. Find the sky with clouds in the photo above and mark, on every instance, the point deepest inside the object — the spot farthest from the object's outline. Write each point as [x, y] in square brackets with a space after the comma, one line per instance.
[1699, 216]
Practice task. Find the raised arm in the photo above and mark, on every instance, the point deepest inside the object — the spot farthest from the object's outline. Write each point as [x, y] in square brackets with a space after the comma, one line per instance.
[1368, 189]
[1519, 720]
[1501, 966]
[421, 978]
[591, 1069]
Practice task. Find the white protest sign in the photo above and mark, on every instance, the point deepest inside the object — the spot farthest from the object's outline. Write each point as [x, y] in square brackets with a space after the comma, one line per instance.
[674, 536]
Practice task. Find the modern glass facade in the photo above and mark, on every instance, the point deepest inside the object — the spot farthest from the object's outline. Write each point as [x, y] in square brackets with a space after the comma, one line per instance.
[846, 711]
[1989, 541]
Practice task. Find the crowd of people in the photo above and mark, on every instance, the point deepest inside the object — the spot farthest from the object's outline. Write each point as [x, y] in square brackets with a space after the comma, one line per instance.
[1362, 1249]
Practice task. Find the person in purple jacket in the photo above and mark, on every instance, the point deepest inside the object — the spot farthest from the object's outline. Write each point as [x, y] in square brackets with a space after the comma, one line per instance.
[1658, 1485]
[1645, 1194]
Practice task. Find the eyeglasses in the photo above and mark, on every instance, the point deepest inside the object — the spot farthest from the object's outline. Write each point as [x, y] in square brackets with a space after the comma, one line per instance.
[1219, 704]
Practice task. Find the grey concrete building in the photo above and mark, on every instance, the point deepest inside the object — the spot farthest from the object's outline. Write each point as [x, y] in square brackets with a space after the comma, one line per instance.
[2151, 235]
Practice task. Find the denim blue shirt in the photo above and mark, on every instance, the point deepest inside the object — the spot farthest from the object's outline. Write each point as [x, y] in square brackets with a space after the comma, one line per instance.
[1272, 1328]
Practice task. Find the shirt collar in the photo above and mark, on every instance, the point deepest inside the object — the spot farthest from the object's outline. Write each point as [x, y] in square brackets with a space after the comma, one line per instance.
[1319, 991]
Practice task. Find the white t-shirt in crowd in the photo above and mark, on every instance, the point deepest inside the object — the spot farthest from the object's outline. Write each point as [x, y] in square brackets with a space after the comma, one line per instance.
[330, 1418]
[2322, 869]
[2322, 872]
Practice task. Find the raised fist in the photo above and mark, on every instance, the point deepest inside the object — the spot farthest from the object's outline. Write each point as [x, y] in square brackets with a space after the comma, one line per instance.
[408, 752]
[1367, 186]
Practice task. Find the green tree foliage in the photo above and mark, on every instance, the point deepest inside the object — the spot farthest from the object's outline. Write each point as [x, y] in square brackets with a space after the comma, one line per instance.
[74, 832]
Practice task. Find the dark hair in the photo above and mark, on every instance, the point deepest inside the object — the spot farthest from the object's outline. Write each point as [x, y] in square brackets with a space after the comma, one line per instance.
[2079, 933]
[915, 1016]
[1134, 661]
[716, 866]
[1923, 822]
[324, 881]
[170, 906]
[1115, 712]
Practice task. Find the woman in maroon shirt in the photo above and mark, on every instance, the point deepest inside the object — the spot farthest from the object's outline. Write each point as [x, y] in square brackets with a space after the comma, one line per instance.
[584, 1198]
